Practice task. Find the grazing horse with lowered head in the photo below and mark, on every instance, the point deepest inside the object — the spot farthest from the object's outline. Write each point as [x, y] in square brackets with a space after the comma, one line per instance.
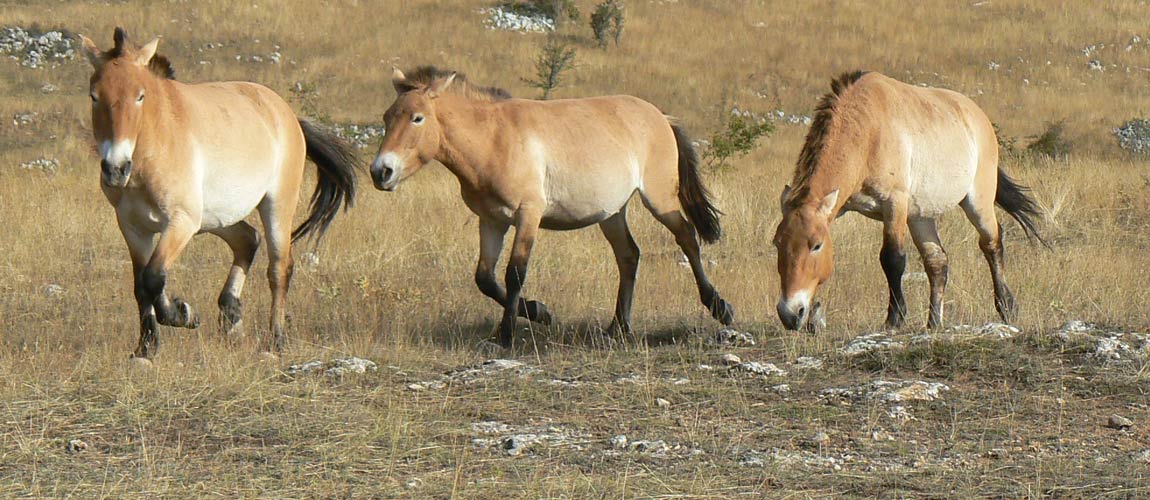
[902, 155]
[178, 159]
[561, 165]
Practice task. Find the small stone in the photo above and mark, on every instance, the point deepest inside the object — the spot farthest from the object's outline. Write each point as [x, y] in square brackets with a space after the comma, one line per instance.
[731, 337]
[138, 363]
[781, 388]
[729, 360]
[76, 446]
[818, 439]
[1119, 422]
[1142, 456]
[808, 363]
[619, 442]
[413, 483]
[662, 403]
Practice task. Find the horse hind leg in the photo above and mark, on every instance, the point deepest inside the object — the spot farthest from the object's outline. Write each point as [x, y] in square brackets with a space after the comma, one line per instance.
[244, 241]
[490, 246]
[924, 232]
[688, 240]
[981, 214]
[276, 219]
[627, 258]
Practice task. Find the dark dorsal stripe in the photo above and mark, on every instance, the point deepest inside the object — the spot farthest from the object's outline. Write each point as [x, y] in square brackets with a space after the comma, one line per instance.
[816, 136]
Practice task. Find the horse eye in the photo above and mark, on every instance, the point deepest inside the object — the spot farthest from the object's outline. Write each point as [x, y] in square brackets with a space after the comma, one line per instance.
[93, 96]
[817, 247]
[417, 119]
[141, 98]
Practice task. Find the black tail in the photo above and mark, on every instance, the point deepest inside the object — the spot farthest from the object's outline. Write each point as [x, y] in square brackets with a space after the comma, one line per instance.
[1012, 197]
[337, 162]
[694, 197]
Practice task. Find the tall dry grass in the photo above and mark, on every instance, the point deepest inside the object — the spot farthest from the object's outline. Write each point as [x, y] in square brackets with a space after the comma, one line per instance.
[394, 279]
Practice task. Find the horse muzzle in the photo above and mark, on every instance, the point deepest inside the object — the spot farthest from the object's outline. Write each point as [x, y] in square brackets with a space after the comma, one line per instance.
[384, 178]
[793, 317]
[115, 175]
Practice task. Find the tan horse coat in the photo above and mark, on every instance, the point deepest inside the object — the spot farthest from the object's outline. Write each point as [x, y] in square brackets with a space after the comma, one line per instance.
[903, 155]
[178, 160]
[559, 165]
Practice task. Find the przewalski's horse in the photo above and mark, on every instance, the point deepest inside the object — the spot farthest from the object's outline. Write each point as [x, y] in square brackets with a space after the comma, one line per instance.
[902, 155]
[178, 159]
[560, 165]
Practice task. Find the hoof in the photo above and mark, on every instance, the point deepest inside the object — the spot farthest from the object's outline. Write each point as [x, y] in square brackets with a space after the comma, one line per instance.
[232, 330]
[618, 330]
[724, 312]
[537, 312]
[181, 315]
[138, 363]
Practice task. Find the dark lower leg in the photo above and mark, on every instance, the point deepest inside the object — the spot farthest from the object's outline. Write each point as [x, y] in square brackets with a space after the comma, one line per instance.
[516, 275]
[531, 310]
[1003, 298]
[893, 260]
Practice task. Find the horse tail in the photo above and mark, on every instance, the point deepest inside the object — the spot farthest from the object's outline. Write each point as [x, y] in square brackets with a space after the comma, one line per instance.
[336, 162]
[1013, 198]
[693, 195]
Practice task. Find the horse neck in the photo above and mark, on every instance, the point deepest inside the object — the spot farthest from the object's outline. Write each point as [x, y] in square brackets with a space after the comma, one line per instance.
[467, 134]
[841, 166]
[156, 127]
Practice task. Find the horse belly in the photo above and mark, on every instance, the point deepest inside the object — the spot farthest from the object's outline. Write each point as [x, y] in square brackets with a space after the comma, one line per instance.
[581, 201]
[231, 192]
[940, 180]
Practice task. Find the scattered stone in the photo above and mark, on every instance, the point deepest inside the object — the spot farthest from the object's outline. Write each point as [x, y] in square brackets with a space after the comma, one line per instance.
[658, 446]
[46, 165]
[24, 118]
[413, 483]
[1109, 346]
[808, 363]
[729, 360]
[54, 291]
[782, 389]
[869, 342]
[34, 48]
[818, 439]
[619, 442]
[339, 367]
[523, 20]
[1119, 422]
[75, 446]
[731, 337]
[514, 441]
[900, 414]
[362, 136]
[475, 373]
[991, 330]
[890, 391]
[138, 363]
[756, 368]
[1134, 136]
[48, 88]
[1095, 65]
[1142, 456]
[662, 403]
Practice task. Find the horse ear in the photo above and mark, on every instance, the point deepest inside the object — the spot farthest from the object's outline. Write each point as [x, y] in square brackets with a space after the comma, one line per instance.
[827, 206]
[91, 51]
[147, 52]
[399, 80]
[783, 198]
[440, 86]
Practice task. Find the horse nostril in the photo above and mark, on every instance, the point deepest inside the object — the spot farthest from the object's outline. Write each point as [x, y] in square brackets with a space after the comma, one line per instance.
[802, 311]
[387, 173]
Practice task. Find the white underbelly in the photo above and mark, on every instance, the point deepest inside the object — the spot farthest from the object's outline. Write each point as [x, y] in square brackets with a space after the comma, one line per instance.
[940, 178]
[232, 191]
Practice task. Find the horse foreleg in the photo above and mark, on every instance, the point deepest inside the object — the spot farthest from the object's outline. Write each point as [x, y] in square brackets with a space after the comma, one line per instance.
[627, 258]
[526, 229]
[244, 241]
[893, 259]
[150, 282]
[490, 246]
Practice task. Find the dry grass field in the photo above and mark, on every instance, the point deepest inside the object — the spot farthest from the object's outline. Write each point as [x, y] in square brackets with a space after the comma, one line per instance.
[1023, 417]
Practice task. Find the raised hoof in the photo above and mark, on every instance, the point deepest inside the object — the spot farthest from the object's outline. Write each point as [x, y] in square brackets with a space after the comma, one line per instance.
[181, 315]
[537, 312]
[724, 312]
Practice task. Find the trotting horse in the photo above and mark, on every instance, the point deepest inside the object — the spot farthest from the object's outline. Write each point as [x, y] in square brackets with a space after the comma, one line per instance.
[562, 165]
[902, 155]
[179, 159]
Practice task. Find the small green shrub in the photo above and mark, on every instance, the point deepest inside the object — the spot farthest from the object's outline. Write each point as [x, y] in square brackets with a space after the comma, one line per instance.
[1051, 143]
[607, 21]
[554, 59]
[737, 138]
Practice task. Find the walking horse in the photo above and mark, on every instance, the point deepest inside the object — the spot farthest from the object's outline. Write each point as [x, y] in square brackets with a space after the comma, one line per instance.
[560, 165]
[902, 155]
[177, 160]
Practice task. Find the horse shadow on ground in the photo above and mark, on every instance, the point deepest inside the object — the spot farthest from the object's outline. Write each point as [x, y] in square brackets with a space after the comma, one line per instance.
[580, 334]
